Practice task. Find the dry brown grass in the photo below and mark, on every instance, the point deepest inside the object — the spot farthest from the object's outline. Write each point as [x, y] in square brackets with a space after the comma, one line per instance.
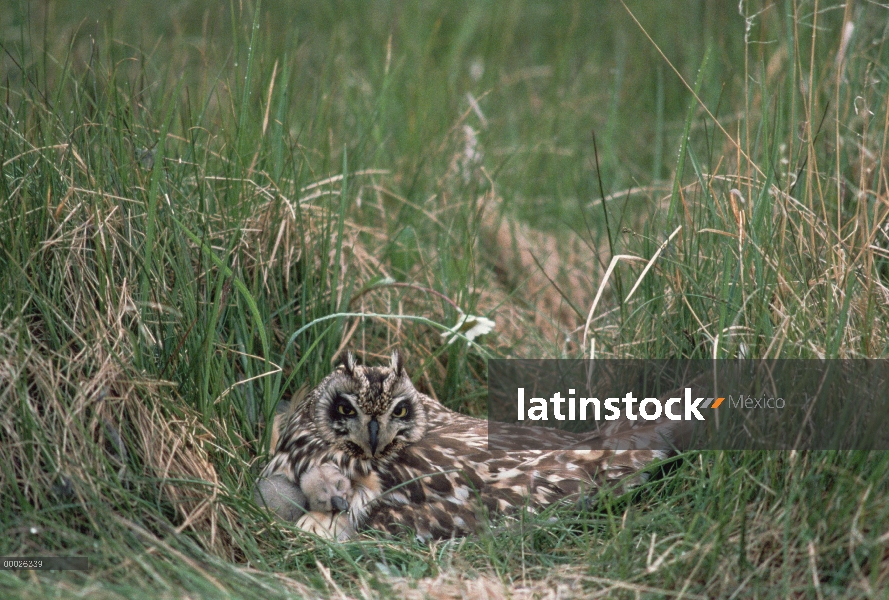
[101, 418]
[96, 420]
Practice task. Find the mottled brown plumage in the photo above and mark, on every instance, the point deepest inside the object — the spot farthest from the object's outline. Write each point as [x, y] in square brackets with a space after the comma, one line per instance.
[414, 465]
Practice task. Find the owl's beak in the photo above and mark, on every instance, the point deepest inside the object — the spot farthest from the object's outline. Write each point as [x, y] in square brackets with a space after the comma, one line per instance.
[339, 504]
[373, 430]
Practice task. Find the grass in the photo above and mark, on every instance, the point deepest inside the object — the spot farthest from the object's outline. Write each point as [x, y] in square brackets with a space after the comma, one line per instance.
[196, 202]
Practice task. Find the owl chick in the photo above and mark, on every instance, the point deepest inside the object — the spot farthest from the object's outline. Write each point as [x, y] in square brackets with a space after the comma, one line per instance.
[281, 496]
[322, 488]
[326, 489]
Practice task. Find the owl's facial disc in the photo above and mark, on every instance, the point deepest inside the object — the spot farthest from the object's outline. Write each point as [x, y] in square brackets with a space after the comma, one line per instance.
[392, 428]
[370, 413]
[376, 435]
[345, 418]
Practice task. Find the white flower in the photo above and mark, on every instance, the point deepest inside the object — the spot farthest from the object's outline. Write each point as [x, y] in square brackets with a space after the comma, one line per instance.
[476, 69]
[471, 326]
[472, 157]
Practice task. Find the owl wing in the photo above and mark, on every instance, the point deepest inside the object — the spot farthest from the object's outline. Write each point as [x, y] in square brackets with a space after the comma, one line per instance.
[446, 484]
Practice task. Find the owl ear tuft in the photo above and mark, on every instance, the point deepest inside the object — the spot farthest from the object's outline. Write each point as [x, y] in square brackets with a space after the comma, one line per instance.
[349, 363]
[397, 363]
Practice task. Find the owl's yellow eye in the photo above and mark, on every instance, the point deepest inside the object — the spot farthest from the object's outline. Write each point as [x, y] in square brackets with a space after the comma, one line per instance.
[400, 411]
[346, 411]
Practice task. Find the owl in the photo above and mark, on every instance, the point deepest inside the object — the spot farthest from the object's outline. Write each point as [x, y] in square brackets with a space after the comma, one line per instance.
[322, 489]
[397, 460]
